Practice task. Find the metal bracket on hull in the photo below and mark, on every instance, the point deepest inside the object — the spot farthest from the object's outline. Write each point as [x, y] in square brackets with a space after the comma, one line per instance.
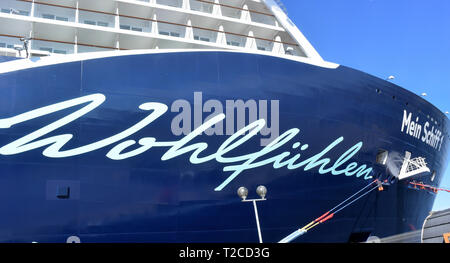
[411, 167]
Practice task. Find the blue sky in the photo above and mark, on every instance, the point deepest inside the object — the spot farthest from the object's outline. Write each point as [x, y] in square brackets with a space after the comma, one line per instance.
[409, 39]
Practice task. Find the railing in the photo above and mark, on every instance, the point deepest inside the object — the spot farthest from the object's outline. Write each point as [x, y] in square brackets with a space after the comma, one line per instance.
[8, 42]
[97, 19]
[55, 13]
[200, 6]
[234, 7]
[108, 22]
[167, 28]
[52, 46]
[15, 8]
[174, 3]
[137, 25]
[205, 35]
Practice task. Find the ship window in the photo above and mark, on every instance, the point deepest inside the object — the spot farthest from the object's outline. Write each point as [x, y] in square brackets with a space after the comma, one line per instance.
[126, 27]
[4, 10]
[59, 51]
[23, 13]
[99, 23]
[261, 48]
[46, 49]
[202, 38]
[137, 29]
[10, 46]
[89, 22]
[2, 44]
[60, 18]
[233, 43]
[382, 156]
[173, 34]
[48, 16]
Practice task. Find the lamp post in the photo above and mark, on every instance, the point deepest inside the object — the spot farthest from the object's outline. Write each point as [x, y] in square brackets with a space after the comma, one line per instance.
[261, 191]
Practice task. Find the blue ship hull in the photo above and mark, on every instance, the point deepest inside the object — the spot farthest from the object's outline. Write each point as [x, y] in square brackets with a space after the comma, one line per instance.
[48, 197]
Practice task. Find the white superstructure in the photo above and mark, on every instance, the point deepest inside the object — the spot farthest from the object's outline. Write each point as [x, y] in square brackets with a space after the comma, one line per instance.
[79, 26]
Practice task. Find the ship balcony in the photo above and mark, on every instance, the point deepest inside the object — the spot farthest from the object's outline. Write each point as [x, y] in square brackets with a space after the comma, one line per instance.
[173, 3]
[232, 12]
[55, 13]
[201, 6]
[15, 8]
[136, 25]
[252, 12]
[171, 30]
[111, 25]
[204, 35]
[52, 47]
[263, 19]
[235, 41]
[9, 42]
[97, 19]
[264, 45]
[86, 49]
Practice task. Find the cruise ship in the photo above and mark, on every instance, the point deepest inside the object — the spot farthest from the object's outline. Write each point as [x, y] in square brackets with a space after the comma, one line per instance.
[200, 121]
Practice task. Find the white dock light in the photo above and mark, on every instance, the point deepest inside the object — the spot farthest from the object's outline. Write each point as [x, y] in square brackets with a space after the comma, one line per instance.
[242, 192]
[424, 94]
[261, 191]
[391, 77]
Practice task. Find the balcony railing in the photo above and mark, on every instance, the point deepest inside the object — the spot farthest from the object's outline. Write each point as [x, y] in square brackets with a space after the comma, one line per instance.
[204, 35]
[15, 7]
[135, 25]
[9, 42]
[52, 47]
[165, 28]
[55, 13]
[97, 19]
[236, 41]
[201, 7]
[173, 3]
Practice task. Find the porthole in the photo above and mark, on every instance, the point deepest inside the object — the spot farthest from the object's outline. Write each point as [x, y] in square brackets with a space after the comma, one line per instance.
[382, 156]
